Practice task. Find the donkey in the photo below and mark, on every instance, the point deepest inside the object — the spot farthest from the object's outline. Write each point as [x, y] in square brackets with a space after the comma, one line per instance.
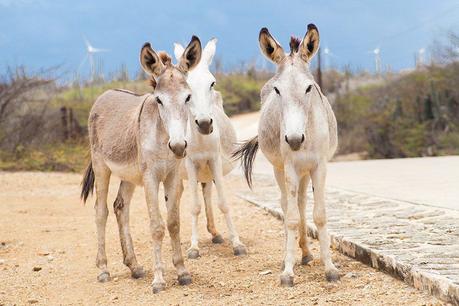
[298, 135]
[211, 139]
[141, 139]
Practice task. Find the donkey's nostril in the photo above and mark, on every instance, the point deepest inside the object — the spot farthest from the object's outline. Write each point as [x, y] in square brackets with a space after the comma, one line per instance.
[286, 139]
[211, 120]
[186, 144]
[197, 122]
[302, 138]
[169, 145]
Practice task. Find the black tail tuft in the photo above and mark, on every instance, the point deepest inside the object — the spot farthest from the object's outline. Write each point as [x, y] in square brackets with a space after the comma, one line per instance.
[247, 153]
[87, 185]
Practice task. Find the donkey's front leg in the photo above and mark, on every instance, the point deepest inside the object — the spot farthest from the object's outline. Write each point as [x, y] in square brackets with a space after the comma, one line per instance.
[193, 251]
[320, 220]
[217, 172]
[291, 222]
[173, 190]
[151, 185]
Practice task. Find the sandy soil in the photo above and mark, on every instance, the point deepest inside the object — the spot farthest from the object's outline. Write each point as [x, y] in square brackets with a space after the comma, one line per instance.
[43, 225]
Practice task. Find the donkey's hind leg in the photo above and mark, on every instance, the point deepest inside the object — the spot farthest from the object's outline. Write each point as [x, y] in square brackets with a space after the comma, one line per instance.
[102, 178]
[121, 208]
[303, 242]
[207, 194]
[215, 165]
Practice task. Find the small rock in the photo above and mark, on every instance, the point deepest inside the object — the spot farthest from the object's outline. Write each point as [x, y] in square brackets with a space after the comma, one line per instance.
[36, 269]
[115, 298]
[32, 301]
[2, 261]
[266, 272]
[350, 275]
[50, 258]
[115, 279]
[43, 253]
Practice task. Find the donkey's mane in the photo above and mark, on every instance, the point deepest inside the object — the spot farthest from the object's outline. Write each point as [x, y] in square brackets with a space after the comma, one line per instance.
[294, 44]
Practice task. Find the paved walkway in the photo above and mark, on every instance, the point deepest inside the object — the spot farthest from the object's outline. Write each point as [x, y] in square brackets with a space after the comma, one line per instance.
[400, 215]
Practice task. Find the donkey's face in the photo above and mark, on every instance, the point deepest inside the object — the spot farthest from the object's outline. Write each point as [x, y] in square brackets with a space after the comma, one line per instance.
[202, 84]
[172, 93]
[293, 83]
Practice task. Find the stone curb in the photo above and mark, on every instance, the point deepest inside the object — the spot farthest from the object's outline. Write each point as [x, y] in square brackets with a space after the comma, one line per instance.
[436, 284]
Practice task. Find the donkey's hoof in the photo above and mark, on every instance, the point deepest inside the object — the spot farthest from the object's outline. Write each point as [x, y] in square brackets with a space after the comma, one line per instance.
[104, 277]
[137, 273]
[158, 287]
[184, 279]
[240, 250]
[332, 275]
[193, 254]
[217, 239]
[306, 259]
[286, 280]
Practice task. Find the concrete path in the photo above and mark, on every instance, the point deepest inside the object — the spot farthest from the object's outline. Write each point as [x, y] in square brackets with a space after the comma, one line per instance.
[431, 181]
[400, 216]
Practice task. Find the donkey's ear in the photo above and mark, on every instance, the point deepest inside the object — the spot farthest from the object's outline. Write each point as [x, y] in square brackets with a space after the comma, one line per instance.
[191, 55]
[178, 51]
[270, 47]
[310, 43]
[150, 61]
[209, 51]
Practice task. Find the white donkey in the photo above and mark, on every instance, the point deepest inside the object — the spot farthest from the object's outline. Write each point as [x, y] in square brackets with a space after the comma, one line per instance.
[211, 138]
[298, 134]
[141, 139]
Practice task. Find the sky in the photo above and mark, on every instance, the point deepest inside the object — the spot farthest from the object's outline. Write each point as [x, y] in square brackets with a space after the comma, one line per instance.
[44, 33]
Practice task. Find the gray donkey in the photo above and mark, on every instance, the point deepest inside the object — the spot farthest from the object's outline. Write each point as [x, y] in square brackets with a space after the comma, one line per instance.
[141, 139]
[298, 135]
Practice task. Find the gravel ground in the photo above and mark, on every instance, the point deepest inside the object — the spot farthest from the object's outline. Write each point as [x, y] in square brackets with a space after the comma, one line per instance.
[48, 248]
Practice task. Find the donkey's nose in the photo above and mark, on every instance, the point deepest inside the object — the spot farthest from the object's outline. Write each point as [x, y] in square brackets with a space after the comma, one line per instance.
[294, 141]
[178, 148]
[205, 125]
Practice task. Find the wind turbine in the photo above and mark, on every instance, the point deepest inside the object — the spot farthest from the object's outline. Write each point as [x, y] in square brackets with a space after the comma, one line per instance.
[377, 54]
[328, 54]
[421, 53]
[90, 52]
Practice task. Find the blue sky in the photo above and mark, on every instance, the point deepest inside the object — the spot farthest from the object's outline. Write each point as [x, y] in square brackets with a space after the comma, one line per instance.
[42, 33]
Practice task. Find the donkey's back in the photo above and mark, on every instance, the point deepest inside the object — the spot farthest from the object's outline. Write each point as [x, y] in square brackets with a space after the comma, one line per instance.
[112, 124]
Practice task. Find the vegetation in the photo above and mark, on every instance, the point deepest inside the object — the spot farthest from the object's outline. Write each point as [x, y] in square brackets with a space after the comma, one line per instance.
[43, 126]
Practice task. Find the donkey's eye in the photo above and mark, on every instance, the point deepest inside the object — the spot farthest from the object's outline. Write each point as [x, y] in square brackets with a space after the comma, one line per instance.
[212, 85]
[277, 90]
[309, 88]
[188, 99]
[159, 101]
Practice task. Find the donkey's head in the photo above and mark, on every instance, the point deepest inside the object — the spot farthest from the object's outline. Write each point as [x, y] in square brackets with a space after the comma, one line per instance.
[202, 84]
[172, 93]
[293, 83]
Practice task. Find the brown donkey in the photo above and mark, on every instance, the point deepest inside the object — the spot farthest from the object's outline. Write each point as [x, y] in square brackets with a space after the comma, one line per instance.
[141, 139]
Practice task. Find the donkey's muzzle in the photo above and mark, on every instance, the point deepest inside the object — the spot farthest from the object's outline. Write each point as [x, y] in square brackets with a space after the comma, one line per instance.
[294, 141]
[178, 148]
[205, 126]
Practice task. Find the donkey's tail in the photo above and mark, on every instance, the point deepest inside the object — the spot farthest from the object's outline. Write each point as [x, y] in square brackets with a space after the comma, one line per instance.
[87, 185]
[247, 152]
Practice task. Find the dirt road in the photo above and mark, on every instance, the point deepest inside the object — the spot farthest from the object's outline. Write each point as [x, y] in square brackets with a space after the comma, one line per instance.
[43, 226]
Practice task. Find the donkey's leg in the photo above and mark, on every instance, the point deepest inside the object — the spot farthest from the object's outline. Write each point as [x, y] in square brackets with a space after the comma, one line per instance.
[193, 251]
[151, 185]
[280, 179]
[320, 220]
[291, 220]
[217, 172]
[121, 208]
[173, 189]
[207, 194]
[102, 176]
[302, 197]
